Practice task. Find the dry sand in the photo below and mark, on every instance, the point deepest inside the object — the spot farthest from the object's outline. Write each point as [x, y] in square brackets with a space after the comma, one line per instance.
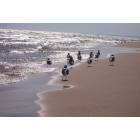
[100, 90]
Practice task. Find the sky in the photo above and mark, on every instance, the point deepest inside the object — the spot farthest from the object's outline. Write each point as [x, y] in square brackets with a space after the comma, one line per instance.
[121, 29]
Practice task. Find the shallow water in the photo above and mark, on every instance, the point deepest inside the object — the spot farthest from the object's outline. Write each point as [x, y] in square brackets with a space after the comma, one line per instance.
[18, 99]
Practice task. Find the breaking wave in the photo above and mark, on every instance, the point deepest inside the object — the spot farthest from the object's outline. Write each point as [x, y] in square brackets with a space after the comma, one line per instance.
[25, 52]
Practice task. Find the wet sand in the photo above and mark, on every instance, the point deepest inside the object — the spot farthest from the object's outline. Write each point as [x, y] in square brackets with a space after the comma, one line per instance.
[132, 44]
[99, 90]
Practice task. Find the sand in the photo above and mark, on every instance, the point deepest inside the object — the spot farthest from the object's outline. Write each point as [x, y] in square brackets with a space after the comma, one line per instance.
[99, 90]
[130, 44]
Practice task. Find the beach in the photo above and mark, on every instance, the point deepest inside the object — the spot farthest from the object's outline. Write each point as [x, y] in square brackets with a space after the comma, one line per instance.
[25, 76]
[100, 90]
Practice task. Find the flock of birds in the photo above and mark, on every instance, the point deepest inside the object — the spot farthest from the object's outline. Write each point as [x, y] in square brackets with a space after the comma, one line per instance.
[70, 61]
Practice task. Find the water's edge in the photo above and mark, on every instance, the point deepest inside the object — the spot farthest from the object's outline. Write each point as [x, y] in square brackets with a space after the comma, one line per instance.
[54, 81]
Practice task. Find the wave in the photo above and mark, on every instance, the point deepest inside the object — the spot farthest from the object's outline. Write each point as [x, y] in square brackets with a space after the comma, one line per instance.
[25, 52]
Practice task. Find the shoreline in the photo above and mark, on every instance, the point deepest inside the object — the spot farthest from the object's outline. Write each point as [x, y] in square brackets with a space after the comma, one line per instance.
[18, 99]
[42, 97]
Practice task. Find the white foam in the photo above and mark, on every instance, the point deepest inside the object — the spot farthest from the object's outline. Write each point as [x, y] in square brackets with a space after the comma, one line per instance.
[16, 52]
[57, 46]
